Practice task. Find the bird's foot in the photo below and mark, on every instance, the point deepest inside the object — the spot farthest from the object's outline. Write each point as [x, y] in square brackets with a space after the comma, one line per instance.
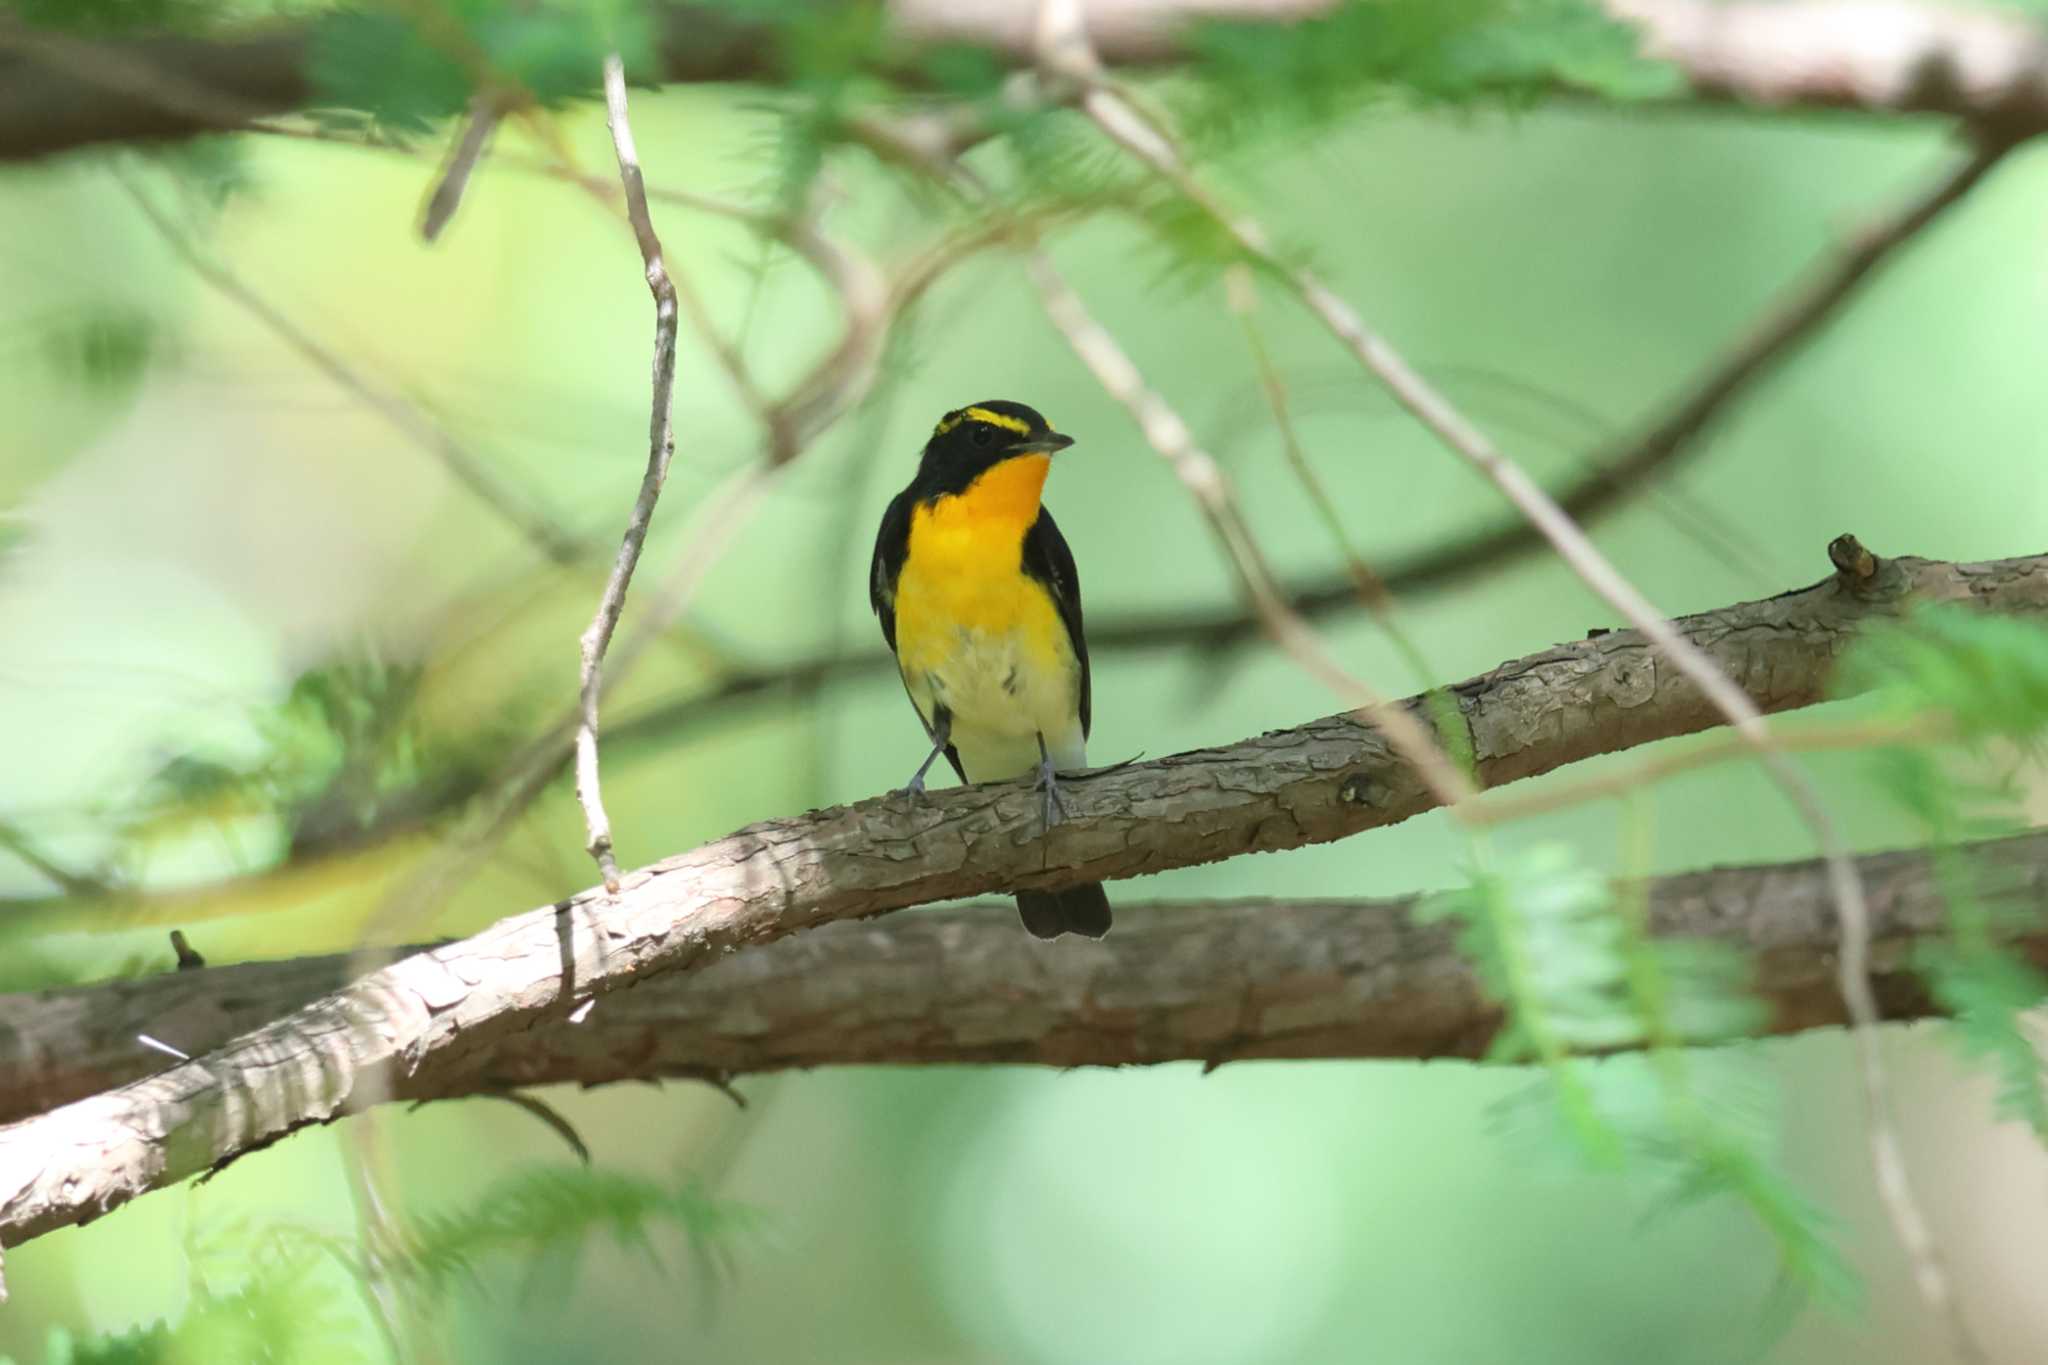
[912, 791]
[1053, 806]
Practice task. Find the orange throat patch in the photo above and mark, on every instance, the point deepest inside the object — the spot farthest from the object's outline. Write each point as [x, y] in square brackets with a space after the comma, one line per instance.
[1004, 499]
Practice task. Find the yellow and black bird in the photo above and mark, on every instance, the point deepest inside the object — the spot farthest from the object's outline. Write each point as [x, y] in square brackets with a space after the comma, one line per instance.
[980, 602]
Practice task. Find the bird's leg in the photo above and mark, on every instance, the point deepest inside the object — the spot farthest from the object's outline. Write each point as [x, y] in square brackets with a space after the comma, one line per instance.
[1054, 808]
[941, 731]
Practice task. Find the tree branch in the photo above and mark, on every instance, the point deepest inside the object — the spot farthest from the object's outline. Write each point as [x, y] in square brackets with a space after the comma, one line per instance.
[1982, 66]
[1318, 782]
[1176, 982]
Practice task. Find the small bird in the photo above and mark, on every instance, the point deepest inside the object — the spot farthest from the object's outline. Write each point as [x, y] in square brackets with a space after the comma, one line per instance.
[980, 602]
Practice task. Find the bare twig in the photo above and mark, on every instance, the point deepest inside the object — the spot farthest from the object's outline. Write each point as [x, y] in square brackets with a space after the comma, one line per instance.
[1790, 321]
[833, 383]
[1640, 776]
[1241, 297]
[1066, 53]
[1801, 311]
[869, 301]
[661, 446]
[485, 113]
[1198, 472]
[1207, 483]
[402, 415]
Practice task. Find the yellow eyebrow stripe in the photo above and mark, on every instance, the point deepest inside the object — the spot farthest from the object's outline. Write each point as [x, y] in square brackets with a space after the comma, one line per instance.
[994, 419]
[1000, 419]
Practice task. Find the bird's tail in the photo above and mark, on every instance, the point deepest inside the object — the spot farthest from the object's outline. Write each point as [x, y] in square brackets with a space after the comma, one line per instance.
[1072, 910]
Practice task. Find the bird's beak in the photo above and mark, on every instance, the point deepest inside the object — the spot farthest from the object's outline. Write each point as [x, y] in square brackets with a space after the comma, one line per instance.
[1046, 444]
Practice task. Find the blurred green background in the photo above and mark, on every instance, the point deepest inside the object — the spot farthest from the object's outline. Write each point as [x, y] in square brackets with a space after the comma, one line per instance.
[191, 535]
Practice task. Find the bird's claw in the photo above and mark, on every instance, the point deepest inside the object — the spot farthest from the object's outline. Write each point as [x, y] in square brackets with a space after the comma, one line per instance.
[1052, 806]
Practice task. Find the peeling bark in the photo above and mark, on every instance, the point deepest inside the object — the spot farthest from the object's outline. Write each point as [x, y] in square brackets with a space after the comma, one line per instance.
[1197, 981]
[449, 1007]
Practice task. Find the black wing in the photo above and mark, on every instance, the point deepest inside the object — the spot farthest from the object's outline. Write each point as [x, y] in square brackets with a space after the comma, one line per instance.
[892, 546]
[1047, 559]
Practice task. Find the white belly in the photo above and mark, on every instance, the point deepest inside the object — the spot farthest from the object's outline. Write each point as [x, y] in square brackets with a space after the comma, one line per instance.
[1003, 693]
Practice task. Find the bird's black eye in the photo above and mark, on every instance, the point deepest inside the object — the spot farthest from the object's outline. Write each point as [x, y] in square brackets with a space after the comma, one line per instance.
[982, 435]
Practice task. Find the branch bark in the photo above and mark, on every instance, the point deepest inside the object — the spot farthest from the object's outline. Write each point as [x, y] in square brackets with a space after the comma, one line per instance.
[445, 1008]
[1176, 982]
[1984, 67]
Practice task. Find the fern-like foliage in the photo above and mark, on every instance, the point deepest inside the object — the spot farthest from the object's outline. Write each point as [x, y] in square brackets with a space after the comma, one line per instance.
[283, 1312]
[1986, 676]
[1576, 971]
[273, 1294]
[547, 1216]
[1980, 682]
[1550, 943]
[382, 70]
[1252, 76]
[342, 756]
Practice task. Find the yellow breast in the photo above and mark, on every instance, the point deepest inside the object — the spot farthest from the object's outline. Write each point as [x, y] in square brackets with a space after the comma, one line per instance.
[974, 633]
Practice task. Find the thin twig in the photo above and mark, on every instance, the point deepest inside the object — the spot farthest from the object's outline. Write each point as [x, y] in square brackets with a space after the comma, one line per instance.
[604, 187]
[869, 300]
[1198, 471]
[485, 112]
[1798, 315]
[726, 511]
[661, 446]
[1790, 321]
[1643, 774]
[398, 412]
[1065, 51]
[1210, 486]
[835, 382]
[676, 280]
[1240, 295]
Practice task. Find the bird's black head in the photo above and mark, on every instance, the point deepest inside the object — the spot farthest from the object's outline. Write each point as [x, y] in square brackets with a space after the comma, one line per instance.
[970, 440]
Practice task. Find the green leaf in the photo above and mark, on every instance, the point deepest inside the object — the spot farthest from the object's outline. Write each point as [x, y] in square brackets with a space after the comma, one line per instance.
[1985, 675]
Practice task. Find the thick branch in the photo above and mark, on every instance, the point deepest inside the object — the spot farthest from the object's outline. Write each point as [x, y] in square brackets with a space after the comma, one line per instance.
[442, 1009]
[1985, 67]
[1175, 982]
